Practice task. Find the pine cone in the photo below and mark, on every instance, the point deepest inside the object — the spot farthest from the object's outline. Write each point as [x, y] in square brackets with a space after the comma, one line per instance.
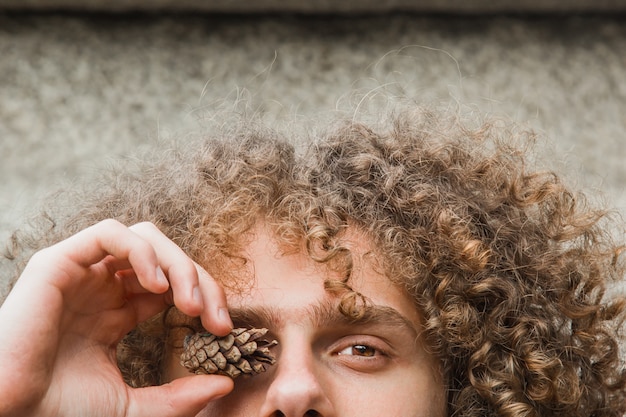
[243, 351]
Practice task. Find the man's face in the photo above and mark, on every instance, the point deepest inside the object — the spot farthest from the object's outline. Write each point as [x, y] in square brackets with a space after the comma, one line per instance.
[327, 365]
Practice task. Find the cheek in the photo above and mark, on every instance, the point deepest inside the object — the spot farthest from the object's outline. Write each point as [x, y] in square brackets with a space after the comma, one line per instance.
[402, 395]
[409, 388]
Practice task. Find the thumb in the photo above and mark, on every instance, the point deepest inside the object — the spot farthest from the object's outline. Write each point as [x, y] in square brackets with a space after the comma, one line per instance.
[184, 397]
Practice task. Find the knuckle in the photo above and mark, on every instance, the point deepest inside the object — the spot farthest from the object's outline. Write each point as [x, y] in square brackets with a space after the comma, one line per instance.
[147, 230]
[185, 267]
[109, 224]
[42, 255]
[145, 226]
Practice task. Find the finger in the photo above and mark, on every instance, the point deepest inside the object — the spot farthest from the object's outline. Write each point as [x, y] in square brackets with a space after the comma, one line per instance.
[124, 273]
[178, 267]
[109, 237]
[148, 305]
[180, 398]
[195, 291]
[215, 317]
[128, 279]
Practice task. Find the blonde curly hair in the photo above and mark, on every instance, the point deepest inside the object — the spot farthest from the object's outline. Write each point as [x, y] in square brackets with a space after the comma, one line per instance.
[510, 268]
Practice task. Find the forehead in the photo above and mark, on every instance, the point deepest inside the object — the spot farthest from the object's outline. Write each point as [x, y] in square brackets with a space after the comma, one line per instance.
[290, 281]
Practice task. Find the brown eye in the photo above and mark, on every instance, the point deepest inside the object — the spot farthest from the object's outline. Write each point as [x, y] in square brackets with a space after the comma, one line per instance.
[363, 350]
[359, 350]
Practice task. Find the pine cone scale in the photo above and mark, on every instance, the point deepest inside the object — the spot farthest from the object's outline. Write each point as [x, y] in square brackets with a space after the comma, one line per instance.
[243, 351]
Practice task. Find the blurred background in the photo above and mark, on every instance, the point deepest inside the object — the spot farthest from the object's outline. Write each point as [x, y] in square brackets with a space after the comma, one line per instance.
[82, 82]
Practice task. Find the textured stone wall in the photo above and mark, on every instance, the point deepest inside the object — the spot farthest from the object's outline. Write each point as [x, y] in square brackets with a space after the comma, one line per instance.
[76, 90]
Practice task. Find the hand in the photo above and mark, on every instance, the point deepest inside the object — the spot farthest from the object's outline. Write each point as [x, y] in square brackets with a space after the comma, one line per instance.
[76, 300]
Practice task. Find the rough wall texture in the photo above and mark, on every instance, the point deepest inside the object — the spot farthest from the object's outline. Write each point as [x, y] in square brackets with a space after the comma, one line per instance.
[76, 90]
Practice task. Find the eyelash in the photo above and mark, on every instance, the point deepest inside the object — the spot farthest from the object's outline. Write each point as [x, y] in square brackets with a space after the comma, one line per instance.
[374, 357]
[371, 351]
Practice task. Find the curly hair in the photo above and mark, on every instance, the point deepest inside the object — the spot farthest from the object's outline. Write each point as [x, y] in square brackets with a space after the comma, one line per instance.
[511, 270]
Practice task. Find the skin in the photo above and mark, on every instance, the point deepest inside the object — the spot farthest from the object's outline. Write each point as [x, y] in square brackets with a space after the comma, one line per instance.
[76, 300]
[328, 366]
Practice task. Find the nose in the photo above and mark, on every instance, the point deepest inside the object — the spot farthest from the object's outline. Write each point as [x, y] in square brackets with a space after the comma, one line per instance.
[295, 388]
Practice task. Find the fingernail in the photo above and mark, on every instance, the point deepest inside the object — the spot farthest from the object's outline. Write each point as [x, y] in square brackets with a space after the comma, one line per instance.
[160, 276]
[224, 316]
[197, 297]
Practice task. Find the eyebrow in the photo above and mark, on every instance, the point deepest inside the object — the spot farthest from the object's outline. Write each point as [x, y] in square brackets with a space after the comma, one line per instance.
[324, 314]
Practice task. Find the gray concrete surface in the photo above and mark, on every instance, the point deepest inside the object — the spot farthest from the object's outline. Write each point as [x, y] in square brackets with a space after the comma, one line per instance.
[78, 90]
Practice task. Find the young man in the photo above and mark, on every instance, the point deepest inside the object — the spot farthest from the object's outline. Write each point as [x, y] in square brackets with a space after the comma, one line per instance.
[421, 270]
